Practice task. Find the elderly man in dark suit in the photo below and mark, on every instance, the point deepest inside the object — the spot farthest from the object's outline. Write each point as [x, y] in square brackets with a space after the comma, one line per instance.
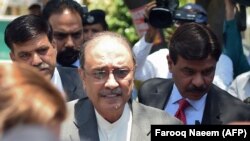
[30, 39]
[193, 53]
[109, 113]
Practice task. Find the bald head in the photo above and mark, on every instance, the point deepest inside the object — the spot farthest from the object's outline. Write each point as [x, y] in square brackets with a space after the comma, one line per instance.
[106, 42]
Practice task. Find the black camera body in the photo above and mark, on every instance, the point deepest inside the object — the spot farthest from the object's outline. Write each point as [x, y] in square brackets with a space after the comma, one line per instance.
[241, 15]
[161, 16]
[242, 2]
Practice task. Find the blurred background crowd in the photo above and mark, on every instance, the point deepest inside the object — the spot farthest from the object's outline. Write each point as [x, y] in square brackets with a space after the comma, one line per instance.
[123, 16]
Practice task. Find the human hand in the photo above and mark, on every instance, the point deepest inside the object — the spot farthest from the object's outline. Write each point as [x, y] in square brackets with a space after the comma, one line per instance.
[152, 31]
[229, 9]
[169, 32]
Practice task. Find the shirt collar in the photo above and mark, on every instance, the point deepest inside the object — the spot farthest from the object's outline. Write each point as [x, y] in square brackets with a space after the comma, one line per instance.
[56, 80]
[105, 125]
[196, 104]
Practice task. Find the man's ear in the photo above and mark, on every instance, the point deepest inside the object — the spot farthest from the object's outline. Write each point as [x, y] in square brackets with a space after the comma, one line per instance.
[170, 63]
[12, 56]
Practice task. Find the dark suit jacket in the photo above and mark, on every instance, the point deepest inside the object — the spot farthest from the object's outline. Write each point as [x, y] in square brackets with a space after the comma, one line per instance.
[220, 108]
[82, 124]
[72, 83]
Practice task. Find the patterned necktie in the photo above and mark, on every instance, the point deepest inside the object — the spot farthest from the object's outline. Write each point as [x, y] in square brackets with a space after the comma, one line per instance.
[180, 114]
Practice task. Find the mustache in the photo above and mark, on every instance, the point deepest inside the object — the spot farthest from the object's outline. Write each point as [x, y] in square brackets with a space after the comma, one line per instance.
[116, 91]
[194, 89]
[42, 66]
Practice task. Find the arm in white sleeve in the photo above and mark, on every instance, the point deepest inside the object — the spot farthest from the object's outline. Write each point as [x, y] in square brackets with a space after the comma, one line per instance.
[240, 87]
[141, 51]
[224, 72]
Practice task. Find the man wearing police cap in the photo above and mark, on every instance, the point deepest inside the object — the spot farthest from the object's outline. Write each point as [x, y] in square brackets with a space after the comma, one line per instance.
[94, 22]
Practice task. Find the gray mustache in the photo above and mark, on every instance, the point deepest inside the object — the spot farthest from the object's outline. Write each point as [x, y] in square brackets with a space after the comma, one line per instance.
[42, 66]
[116, 91]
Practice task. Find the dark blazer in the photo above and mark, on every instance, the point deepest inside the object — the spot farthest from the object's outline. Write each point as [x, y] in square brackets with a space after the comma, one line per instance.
[81, 125]
[72, 83]
[220, 108]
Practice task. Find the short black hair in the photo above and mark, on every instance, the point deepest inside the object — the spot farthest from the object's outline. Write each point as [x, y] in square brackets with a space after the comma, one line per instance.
[193, 41]
[35, 6]
[25, 28]
[58, 6]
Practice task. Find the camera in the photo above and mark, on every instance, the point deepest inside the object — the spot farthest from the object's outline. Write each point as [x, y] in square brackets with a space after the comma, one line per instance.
[242, 2]
[161, 16]
[241, 15]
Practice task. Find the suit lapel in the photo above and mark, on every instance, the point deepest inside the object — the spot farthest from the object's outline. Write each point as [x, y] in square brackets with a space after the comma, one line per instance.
[68, 86]
[212, 111]
[86, 122]
[72, 84]
[162, 94]
[139, 131]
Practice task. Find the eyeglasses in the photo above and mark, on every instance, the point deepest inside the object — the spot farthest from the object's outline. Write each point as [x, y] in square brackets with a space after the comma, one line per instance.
[101, 75]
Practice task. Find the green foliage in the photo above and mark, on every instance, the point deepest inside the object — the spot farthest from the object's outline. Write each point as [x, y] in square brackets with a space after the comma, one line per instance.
[118, 18]
[182, 2]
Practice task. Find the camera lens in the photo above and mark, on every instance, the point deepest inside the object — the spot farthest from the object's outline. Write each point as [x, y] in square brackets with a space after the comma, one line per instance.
[162, 15]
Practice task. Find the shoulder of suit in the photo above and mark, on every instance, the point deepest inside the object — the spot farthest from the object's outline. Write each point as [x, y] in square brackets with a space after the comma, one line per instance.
[224, 97]
[156, 114]
[68, 71]
[157, 81]
[60, 68]
[78, 101]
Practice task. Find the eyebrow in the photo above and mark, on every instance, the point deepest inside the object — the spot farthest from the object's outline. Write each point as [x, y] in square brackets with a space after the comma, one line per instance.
[206, 69]
[62, 32]
[209, 69]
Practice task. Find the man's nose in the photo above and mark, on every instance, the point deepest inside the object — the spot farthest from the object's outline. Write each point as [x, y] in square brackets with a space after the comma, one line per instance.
[36, 60]
[69, 42]
[198, 80]
[89, 34]
[111, 82]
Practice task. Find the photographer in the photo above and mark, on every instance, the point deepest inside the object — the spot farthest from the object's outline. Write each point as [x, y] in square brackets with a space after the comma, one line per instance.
[156, 65]
[233, 41]
[240, 87]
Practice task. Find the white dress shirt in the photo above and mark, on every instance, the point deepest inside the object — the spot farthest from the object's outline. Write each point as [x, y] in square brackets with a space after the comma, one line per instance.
[194, 112]
[56, 80]
[117, 131]
[240, 87]
[156, 65]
